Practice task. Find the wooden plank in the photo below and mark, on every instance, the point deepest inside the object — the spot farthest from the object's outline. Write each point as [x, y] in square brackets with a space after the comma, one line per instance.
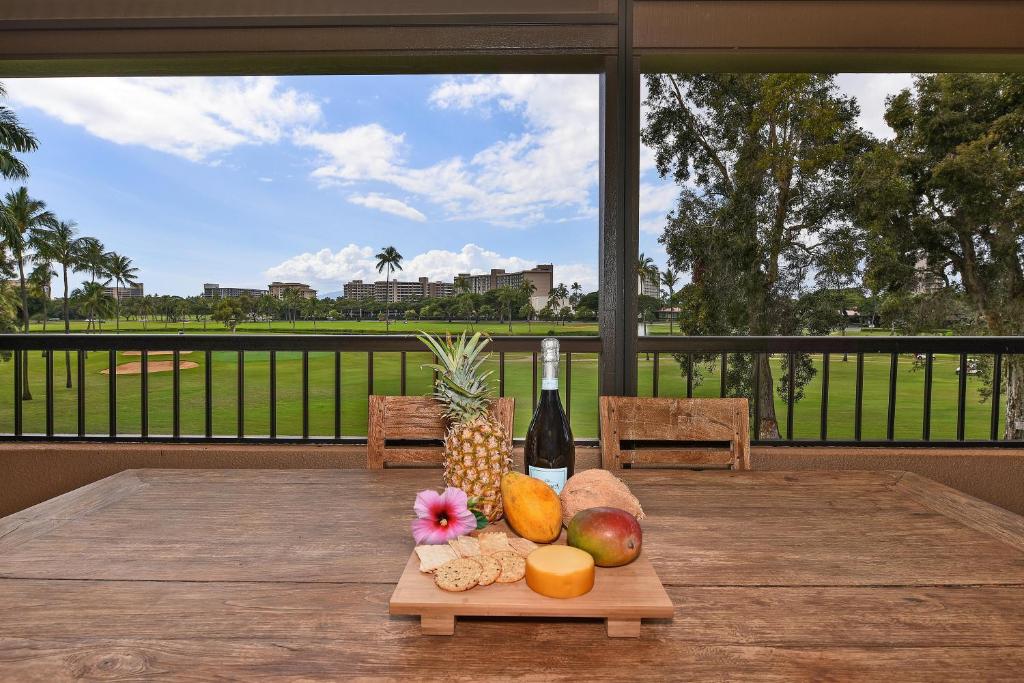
[47, 516]
[109, 13]
[828, 24]
[84, 611]
[977, 514]
[490, 657]
[703, 528]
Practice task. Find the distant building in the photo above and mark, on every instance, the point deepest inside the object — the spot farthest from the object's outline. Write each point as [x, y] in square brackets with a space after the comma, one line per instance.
[46, 288]
[211, 290]
[131, 292]
[542, 277]
[277, 289]
[928, 277]
[650, 286]
[396, 290]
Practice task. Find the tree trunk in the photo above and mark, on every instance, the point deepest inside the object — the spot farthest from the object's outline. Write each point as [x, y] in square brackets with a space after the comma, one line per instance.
[1014, 397]
[67, 328]
[26, 393]
[769, 427]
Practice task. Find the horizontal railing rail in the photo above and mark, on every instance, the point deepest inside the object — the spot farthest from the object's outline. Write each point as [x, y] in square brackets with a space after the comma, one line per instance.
[717, 350]
[239, 347]
[295, 383]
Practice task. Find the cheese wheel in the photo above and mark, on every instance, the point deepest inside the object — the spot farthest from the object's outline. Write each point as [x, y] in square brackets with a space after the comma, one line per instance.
[559, 571]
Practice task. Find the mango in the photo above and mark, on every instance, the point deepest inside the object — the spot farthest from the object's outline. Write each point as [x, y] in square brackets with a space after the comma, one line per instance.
[532, 508]
[612, 536]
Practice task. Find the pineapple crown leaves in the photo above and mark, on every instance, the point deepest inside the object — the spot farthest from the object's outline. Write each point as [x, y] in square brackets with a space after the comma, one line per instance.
[461, 386]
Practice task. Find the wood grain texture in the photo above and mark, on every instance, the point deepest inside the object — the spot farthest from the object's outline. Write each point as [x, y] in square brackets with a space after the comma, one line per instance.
[415, 418]
[287, 574]
[675, 419]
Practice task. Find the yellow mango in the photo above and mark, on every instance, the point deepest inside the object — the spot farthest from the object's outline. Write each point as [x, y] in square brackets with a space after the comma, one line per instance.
[532, 508]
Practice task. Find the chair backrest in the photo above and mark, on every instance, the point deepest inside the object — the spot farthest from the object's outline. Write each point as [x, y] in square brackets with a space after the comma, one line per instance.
[415, 420]
[667, 420]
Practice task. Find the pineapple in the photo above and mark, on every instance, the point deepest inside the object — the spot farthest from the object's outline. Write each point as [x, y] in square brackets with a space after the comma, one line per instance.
[477, 447]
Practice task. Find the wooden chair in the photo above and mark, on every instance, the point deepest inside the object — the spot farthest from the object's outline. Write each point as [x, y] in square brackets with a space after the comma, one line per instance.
[415, 422]
[688, 420]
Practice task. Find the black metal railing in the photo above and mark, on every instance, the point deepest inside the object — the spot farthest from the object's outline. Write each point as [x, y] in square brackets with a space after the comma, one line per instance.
[398, 348]
[328, 403]
[691, 351]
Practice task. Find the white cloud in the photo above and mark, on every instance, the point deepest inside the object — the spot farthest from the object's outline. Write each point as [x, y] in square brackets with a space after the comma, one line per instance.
[388, 205]
[194, 118]
[330, 270]
[657, 199]
[870, 90]
[514, 181]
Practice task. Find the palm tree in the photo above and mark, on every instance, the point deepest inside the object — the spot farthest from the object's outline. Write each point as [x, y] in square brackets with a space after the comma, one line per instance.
[577, 293]
[94, 301]
[39, 283]
[57, 243]
[20, 217]
[146, 309]
[461, 284]
[670, 279]
[13, 138]
[120, 269]
[388, 258]
[646, 270]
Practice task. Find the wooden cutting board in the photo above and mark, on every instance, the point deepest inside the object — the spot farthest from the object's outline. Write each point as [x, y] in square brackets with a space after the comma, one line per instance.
[622, 596]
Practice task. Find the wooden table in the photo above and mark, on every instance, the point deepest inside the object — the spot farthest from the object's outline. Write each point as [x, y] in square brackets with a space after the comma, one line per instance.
[247, 574]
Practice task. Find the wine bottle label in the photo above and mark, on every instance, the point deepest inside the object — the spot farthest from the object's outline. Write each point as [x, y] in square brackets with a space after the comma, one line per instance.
[549, 384]
[553, 477]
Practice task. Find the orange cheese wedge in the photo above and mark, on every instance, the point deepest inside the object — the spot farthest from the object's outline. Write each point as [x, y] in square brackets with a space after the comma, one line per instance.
[559, 571]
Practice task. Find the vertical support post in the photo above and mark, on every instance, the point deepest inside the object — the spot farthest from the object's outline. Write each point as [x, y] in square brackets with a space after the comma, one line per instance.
[112, 392]
[619, 212]
[80, 367]
[241, 395]
[144, 399]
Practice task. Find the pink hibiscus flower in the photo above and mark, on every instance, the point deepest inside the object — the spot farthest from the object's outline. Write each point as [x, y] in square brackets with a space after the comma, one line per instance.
[441, 516]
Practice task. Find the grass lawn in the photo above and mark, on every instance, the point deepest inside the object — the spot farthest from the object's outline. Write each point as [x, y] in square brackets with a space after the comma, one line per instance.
[583, 406]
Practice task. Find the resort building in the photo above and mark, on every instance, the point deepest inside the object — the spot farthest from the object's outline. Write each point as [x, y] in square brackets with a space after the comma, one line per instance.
[542, 277]
[277, 289]
[649, 286]
[381, 290]
[134, 291]
[212, 290]
[16, 283]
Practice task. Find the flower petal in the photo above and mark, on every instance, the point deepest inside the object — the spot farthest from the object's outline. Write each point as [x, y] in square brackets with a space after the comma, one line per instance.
[427, 502]
[461, 525]
[429, 532]
[455, 499]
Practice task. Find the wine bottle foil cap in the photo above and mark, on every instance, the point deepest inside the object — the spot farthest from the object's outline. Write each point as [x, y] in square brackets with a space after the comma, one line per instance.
[549, 356]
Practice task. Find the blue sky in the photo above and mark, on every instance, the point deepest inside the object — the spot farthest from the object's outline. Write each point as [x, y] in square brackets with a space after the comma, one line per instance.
[244, 180]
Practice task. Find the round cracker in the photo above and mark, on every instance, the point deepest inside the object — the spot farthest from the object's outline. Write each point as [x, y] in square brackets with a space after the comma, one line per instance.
[513, 567]
[490, 569]
[457, 575]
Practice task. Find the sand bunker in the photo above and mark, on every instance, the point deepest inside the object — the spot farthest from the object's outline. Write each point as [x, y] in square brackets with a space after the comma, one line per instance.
[155, 366]
[152, 353]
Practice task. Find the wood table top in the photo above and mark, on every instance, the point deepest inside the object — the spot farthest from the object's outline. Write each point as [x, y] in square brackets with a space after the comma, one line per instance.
[246, 574]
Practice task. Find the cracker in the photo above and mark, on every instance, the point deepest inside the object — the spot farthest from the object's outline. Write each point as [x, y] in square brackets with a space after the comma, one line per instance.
[522, 546]
[513, 567]
[465, 546]
[494, 542]
[433, 556]
[490, 569]
[458, 575]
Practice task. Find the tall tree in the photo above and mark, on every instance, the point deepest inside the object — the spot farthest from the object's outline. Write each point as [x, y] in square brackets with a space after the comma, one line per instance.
[950, 188]
[39, 283]
[94, 301]
[120, 269]
[59, 244]
[763, 161]
[388, 258]
[14, 139]
[20, 217]
[670, 279]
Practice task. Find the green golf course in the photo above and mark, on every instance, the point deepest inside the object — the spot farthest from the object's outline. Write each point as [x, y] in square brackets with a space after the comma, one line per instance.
[386, 372]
